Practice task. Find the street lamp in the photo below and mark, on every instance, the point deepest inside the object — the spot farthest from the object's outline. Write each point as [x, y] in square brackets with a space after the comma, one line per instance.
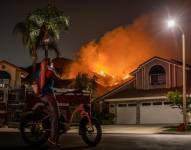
[172, 23]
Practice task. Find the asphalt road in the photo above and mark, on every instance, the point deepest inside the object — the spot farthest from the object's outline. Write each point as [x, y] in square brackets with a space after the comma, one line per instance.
[13, 141]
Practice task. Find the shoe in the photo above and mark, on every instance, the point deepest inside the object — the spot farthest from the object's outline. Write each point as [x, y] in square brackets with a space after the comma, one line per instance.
[52, 141]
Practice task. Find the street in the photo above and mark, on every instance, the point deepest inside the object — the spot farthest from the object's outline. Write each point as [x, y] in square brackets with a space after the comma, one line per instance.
[109, 142]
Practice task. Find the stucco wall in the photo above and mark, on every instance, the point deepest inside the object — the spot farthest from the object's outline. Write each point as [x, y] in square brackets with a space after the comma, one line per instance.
[173, 75]
[15, 74]
[18, 79]
[147, 77]
[178, 76]
[139, 79]
[143, 78]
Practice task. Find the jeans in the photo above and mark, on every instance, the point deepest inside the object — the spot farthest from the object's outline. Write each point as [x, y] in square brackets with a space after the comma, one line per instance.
[54, 114]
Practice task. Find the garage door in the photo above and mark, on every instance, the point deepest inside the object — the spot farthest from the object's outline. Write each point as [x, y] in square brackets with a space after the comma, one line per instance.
[126, 114]
[159, 112]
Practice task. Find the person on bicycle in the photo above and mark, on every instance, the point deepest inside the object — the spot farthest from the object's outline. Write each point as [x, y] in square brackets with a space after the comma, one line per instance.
[45, 84]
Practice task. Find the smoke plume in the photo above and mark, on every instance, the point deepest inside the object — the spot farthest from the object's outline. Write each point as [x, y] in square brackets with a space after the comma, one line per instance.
[121, 50]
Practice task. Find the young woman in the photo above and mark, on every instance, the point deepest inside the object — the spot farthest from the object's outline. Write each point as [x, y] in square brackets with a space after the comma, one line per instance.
[44, 89]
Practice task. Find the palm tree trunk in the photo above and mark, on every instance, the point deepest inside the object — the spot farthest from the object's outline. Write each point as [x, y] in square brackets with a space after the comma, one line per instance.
[34, 69]
[46, 51]
[45, 40]
[34, 59]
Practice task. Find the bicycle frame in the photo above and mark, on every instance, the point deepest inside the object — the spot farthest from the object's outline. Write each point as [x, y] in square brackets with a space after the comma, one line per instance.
[38, 120]
[79, 109]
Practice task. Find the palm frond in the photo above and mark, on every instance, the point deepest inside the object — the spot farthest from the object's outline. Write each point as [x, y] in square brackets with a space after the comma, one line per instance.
[54, 33]
[52, 45]
[19, 28]
[32, 30]
[36, 19]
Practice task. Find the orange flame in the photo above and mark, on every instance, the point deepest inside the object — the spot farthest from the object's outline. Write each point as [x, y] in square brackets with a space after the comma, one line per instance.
[102, 73]
[120, 51]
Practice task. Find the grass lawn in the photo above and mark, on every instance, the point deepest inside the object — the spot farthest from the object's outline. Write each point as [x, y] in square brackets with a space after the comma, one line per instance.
[174, 128]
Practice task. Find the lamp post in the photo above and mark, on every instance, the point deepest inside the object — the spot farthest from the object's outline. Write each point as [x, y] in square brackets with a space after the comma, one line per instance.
[172, 23]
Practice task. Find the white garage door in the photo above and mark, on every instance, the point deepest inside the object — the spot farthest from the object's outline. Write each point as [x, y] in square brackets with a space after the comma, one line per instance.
[126, 114]
[159, 112]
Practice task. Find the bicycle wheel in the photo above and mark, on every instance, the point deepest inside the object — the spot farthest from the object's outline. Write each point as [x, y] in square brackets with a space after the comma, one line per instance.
[90, 135]
[35, 128]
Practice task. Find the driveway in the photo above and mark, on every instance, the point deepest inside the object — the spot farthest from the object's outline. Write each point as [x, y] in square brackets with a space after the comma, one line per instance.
[115, 129]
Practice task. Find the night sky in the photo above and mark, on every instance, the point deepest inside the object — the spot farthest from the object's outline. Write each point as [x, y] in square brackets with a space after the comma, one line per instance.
[90, 19]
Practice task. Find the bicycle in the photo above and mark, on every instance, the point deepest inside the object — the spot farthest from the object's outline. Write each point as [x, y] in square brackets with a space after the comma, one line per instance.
[35, 124]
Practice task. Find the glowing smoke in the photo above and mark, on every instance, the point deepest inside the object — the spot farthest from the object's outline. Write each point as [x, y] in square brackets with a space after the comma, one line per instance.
[121, 50]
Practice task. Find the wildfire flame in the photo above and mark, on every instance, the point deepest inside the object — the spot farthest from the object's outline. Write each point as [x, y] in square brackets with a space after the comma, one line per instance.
[126, 77]
[120, 51]
[102, 73]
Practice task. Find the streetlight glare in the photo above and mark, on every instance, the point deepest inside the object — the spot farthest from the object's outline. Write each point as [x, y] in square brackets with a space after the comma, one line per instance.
[171, 23]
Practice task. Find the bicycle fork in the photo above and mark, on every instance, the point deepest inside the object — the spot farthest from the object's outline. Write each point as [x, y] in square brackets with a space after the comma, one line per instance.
[81, 110]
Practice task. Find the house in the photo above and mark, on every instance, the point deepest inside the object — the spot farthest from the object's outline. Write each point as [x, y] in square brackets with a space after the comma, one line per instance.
[10, 82]
[142, 100]
[10, 75]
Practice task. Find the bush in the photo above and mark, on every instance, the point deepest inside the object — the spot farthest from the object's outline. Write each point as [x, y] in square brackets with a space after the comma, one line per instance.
[176, 98]
[104, 118]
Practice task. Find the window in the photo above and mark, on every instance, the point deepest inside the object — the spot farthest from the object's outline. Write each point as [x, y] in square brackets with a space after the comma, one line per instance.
[146, 104]
[168, 103]
[133, 104]
[157, 103]
[4, 79]
[4, 83]
[1, 96]
[122, 105]
[157, 75]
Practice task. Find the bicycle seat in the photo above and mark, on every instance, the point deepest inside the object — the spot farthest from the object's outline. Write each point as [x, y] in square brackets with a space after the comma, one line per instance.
[40, 104]
[45, 103]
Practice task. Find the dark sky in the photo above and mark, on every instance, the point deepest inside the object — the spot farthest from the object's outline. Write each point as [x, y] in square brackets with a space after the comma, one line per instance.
[90, 19]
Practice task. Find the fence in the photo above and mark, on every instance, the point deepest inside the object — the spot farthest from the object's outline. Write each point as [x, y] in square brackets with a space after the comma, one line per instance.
[13, 102]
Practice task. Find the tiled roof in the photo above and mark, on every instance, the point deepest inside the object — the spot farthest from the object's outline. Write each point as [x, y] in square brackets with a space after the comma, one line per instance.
[172, 61]
[4, 61]
[130, 93]
[120, 92]
[24, 73]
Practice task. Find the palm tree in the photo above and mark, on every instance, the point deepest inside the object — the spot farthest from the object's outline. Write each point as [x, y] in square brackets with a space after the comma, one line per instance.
[27, 30]
[41, 29]
[85, 82]
[49, 22]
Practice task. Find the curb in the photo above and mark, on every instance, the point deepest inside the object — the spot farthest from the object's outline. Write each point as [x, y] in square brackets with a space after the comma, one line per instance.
[106, 131]
[177, 133]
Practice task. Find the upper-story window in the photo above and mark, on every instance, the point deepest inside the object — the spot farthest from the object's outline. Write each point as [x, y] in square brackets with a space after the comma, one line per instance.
[157, 75]
[4, 79]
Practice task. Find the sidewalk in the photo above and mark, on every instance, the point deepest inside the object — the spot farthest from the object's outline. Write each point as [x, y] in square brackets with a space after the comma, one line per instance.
[6, 129]
[120, 129]
[136, 129]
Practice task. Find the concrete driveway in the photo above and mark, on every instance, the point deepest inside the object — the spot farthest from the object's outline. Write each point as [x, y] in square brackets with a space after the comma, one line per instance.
[114, 129]
[134, 129]
[138, 129]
